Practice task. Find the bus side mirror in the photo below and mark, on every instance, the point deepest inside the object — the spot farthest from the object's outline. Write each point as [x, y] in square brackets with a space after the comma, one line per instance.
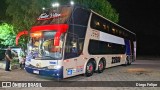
[25, 32]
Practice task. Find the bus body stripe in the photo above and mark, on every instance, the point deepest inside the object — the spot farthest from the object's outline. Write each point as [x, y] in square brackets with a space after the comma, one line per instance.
[111, 38]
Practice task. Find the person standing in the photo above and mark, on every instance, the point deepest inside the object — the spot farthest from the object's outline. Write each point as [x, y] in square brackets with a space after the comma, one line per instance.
[21, 57]
[8, 58]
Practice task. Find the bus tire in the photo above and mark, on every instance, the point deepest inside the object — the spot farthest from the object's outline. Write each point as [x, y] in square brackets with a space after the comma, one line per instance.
[101, 66]
[89, 69]
[128, 61]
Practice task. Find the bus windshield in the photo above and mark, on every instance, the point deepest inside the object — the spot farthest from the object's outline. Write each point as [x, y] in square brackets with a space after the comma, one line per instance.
[43, 46]
[59, 15]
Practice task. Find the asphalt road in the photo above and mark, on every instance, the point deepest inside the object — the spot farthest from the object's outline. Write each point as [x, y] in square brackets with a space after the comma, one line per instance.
[140, 70]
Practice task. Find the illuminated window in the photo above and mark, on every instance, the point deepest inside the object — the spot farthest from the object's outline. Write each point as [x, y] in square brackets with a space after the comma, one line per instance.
[113, 30]
[123, 33]
[120, 32]
[116, 31]
[97, 24]
[105, 27]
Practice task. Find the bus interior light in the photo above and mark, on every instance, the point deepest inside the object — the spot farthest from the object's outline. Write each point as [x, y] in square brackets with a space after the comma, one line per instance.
[36, 34]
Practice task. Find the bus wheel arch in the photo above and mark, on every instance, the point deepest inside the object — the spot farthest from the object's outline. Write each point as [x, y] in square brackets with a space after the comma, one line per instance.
[101, 65]
[90, 67]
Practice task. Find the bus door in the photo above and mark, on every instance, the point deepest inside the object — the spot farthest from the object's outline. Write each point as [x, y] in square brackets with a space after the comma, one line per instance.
[128, 47]
[70, 56]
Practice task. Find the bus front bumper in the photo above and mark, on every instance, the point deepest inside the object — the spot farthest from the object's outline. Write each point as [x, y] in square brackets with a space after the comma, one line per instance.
[55, 73]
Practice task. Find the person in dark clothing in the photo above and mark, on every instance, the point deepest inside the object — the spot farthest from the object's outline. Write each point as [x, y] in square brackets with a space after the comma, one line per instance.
[8, 58]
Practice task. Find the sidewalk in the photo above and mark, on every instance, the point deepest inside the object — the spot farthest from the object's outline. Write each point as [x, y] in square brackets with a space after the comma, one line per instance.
[3, 65]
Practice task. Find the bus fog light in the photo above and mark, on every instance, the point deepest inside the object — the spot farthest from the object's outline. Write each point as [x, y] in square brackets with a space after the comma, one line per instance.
[54, 67]
[51, 67]
[27, 63]
[57, 67]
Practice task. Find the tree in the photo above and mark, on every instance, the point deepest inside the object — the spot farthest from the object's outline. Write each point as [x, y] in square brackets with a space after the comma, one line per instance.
[3, 10]
[25, 12]
[102, 7]
[7, 35]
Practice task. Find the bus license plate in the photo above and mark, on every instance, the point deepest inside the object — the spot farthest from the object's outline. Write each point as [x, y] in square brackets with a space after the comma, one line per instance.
[36, 71]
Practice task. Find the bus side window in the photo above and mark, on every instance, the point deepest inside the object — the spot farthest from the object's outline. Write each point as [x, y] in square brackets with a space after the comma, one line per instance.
[71, 49]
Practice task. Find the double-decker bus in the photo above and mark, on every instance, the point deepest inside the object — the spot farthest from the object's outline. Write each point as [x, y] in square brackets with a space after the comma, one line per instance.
[72, 40]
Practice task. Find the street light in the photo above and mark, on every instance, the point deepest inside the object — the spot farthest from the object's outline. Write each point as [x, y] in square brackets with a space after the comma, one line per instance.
[43, 8]
[55, 5]
[72, 3]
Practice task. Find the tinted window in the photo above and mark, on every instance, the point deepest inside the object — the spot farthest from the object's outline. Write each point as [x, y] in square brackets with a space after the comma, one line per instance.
[80, 33]
[80, 16]
[99, 23]
[71, 48]
[100, 47]
[106, 26]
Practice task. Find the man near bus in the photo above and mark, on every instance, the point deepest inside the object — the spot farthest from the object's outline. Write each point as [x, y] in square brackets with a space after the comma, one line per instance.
[8, 58]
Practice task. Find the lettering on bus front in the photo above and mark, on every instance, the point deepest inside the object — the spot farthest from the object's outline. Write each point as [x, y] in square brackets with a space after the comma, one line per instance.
[48, 16]
[58, 15]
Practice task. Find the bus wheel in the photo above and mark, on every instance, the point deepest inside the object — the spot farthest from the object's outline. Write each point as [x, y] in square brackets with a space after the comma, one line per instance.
[101, 66]
[89, 69]
[128, 61]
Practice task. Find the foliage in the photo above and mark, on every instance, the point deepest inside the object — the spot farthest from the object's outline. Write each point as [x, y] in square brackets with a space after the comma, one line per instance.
[23, 13]
[7, 35]
[103, 7]
[14, 61]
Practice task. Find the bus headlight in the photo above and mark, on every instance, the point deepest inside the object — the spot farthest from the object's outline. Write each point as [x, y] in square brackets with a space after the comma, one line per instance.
[27, 63]
[54, 67]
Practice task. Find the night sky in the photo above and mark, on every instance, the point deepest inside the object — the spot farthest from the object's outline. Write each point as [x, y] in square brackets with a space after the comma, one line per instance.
[143, 18]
